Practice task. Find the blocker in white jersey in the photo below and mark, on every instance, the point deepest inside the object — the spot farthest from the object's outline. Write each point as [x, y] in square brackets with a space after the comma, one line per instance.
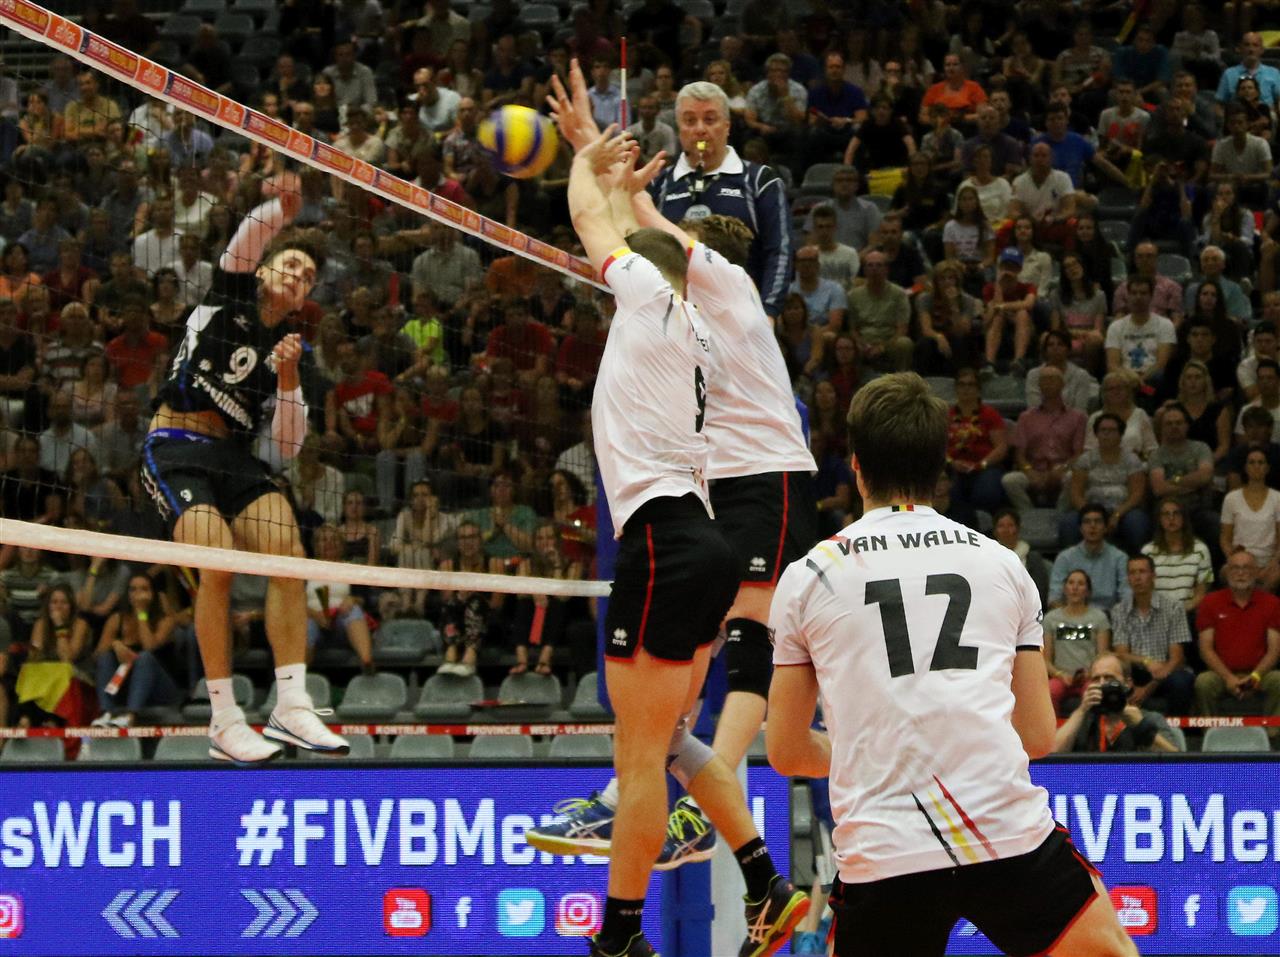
[649, 405]
[919, 619]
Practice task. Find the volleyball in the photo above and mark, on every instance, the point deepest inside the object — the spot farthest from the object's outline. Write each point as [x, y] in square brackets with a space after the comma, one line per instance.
[522, 142]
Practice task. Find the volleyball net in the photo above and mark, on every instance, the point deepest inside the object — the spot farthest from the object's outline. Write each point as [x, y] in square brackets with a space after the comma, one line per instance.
[450, 339]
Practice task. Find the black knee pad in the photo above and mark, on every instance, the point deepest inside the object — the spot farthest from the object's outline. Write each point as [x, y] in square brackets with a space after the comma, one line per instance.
[748, 656]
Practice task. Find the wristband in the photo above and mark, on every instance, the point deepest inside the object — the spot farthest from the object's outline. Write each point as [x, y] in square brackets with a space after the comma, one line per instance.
[143, 616]
[1257, 678]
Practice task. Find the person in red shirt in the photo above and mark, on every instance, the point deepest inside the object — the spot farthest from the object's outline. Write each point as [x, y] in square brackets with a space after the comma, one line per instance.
[351, 408]
[578, 358]
[955, 91]
[72, 281]
[132, 355]
[1239, 630]
[528, 344]
[1008, 302]
[976, 446]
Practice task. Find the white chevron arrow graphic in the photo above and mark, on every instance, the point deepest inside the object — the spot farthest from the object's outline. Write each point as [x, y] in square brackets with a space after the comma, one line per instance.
[155, 913]
[112, 915]
[287, 912]
[133, 914]
[309, 913]
[265, 912]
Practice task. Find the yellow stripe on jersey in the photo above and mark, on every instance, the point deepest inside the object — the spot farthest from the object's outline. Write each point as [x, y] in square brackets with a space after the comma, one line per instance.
[616, 254]
[957, 833]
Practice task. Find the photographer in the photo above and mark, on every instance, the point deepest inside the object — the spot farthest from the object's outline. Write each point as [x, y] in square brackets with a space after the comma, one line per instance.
[1164, 211]
[1106, 721]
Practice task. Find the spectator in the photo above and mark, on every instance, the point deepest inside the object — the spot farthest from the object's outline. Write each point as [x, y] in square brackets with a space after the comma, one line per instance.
[194, 273]
[1183, 567]
[1168, 139]
[510, 80]
[906, 264]
[23, 586]
[836, 261]
[1094, 726]
[358, 139]
[447, 268]
[1075, 633]
[1046, 194]
[61, 633]
[133, 354]
[1008, 532]
[1037, 267]
[1006, 153]
[16, 277]
[856, 218]
[1251, 520]
[42, 240]
[1141, 342]
[120, 438]
[1103, 561]
[1265, 341]
[437, 105]
[137, 640]
[1078, 308]
[1071, 151]
[578, 357]
[1257, 434]
[1046, 440]
[361, 539]
[653, 135]
[541, 620]
[1084, 69]
[389, 349]
[333, 611]
[968, 238]
[923, 200]
[1112, 476]
[1121, 127]
[63, 435]
[158, 246]
[976, 446]
[1009, 301]
[606, 98]
[1209, 418]
[1080, 389]
[1213, 264]
[1149, 631]
[1267, 77]
[351, 408]
[1239, 632]
[467, 614]
[526, 343]
[949, 319]
[955, 91]
[835, 107]
[1118, 393]
[1196, 46]
[416, 542]
[882, 141]
[353, 82]
[1261, 117]
[879, 313]
[1145, 64]
[776, 107]
[824, 299]
[85, 120]
[1242, 159]
[470, 450]
[1267, 376]
[188, 145]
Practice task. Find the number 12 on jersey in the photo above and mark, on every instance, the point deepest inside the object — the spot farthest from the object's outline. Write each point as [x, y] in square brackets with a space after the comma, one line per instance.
[947, 652]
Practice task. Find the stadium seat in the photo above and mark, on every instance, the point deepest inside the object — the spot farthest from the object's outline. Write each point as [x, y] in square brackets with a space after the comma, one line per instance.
[581, 746]
[206, 9]
[422, 747]
[34, 750]
[1114, 231]
[1236, 739]
[1175, 266]
[586, 702]
[448, 697]
[405, 641]
[317, 686]
[198, 709]
[234, 27]
[110, 749]
[361, 750]
[359, 482]
[1040, 529]
[818, 178]
[1117, 203]
[537, 16]
[702, 9]
[1006, 394]
[487, 747]
[258, 9]
[373, 698]
[943, 386]
[181, 28]
[531, 688]
[191, 747]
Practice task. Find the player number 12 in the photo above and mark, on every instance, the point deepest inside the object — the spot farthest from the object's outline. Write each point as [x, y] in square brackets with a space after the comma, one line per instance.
[947, 652]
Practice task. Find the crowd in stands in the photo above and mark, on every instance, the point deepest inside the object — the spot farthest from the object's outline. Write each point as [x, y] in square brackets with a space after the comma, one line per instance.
[1067, 216]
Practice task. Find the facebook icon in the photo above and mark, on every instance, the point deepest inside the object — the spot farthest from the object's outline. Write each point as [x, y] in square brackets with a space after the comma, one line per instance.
[1199, 914]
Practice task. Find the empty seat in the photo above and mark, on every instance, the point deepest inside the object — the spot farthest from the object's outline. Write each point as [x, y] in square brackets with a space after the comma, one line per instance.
[1006, 394]
[702, 9]
[233, 27]
[361, 750]
[1040, 529]
[1174, 265]
[37, 750]
[490, 746]
[818, 178]
[944, 387]
[110, 749]
[422, 747]
[198, 709]
[258, 9]
[404, 641]
[586, 699]
[191, 747]
[1236, 739]
[537, 15]
[582, 746]
[317, 686]
[181, 28]
[448, 696]
[1115, 231]
[207, 9]
[373, 698]
[531, 688]
[1117, 203]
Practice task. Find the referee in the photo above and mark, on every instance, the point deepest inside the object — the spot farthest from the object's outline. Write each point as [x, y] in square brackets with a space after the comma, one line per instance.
[710, 178]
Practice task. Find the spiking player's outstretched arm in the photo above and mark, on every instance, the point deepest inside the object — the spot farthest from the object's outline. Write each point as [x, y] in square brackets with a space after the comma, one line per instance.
[263, 224]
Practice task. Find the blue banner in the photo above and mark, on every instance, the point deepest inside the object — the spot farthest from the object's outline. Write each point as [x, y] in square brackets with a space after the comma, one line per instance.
[304, 860]
[1189, 849]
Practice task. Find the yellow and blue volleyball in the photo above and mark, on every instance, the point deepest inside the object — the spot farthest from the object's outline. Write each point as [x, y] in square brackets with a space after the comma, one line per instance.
[520, 141]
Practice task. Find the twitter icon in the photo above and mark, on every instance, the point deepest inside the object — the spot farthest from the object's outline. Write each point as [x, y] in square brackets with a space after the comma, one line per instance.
[522, 912]
[1252, 911]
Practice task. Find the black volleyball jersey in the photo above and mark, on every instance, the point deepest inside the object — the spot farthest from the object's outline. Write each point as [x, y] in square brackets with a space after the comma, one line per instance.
[224, 362]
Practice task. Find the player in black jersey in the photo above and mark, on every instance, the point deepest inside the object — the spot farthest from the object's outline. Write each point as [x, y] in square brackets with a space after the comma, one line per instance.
[238, 359]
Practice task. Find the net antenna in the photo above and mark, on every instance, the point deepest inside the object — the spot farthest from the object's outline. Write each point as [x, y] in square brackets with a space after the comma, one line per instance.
[147, 76]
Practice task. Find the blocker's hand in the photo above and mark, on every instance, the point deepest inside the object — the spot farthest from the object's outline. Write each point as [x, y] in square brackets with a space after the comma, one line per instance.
[572, 109]
[608, 150]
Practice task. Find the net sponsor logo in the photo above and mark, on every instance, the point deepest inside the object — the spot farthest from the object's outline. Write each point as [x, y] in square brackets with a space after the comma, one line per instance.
[395, 186]
[264, 125]
[547, 253]
[193, 95]
[66, 34]
[496, 231]
[12, 919]
[27, 14]
[334, 159]
[229, 111]
[1136, 908]
[153, 76]
[364, 172]
[406, 912]
[114, 58]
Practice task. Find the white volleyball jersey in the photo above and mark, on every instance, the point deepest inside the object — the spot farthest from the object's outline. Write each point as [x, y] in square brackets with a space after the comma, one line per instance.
[911, 622]
[649, 403]
[752, 422]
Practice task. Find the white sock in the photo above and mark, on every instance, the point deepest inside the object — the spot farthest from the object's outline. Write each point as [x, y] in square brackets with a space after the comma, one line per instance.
[609, 796]
[291, 687]
[222, 699]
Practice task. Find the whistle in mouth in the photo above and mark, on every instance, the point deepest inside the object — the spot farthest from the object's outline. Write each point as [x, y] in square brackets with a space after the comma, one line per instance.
[702, 146]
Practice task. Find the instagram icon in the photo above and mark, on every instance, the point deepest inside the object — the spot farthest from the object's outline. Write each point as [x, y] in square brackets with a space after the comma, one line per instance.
[578, 915]
[10, 916]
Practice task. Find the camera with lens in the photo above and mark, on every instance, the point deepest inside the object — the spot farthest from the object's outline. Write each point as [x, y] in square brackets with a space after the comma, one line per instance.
[1115, 696]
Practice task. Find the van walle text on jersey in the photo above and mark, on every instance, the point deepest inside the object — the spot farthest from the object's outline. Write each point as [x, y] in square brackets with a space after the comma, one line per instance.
[1154, 828]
